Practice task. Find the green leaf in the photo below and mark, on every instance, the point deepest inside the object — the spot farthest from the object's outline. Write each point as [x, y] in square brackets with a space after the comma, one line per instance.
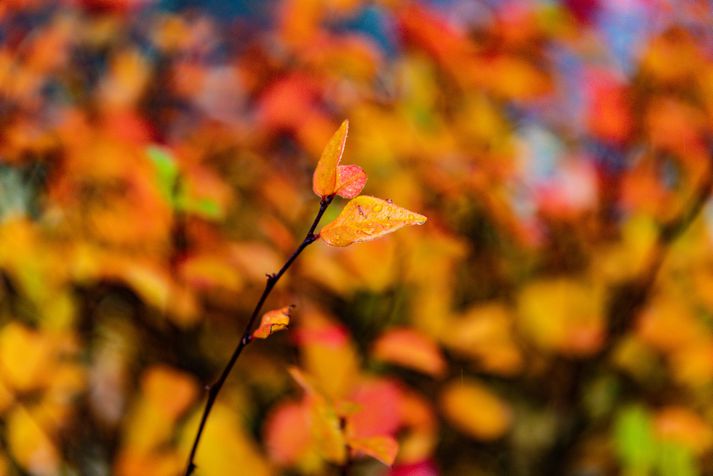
[634, 440]
[166, 171]
[203, 207]
[675, 459]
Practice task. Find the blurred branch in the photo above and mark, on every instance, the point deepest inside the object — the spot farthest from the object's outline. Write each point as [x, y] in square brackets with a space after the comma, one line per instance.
[272, 279]
[625, 303]
[631, 297]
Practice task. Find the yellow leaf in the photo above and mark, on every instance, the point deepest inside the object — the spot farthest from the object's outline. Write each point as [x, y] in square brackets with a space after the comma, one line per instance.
[366, 218]
[327, 430]
[29, 443]
[26, 357]
[473, 409]
[273, 321]
[563, 315]
[170, 390]
[485, 333]
[383, 448]
[328, 354]
[324, 180]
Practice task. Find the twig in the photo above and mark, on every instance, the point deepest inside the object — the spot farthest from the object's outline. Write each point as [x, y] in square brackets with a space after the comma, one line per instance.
[272, 279]
[344, 467]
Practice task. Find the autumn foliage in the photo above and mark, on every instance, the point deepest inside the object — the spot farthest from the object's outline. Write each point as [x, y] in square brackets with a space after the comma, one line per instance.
[552, 316]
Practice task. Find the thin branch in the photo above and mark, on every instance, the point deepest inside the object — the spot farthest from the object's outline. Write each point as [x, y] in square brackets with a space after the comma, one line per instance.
[272, 279]
[345, 466]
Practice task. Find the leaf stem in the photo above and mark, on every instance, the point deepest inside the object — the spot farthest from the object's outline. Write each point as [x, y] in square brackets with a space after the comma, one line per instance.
[272, 279]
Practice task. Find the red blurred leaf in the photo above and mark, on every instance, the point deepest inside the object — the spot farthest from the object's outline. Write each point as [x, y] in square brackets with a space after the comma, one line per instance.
[287, 432]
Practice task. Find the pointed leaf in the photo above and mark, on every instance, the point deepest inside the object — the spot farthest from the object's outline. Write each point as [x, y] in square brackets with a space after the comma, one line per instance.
[273, 321]
[324, 180]
[366, 218]
[350, 181]
[382, 448]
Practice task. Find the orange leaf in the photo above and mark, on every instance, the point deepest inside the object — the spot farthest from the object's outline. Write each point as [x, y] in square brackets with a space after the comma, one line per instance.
[366, 218]
[682, 425]
[383, 448]
[411, 349]
[273, 321]
[324, 180]
[350, 180]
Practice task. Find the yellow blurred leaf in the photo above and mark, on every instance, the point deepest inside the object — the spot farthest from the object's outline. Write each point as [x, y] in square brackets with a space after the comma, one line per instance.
[29, 444]
[25, 357]
[563, 315]
[208, 270]
[6, 398]
[327, 431]
[692, 365]
[411, 349]
[170, 390]
[324, 421]
[324, 180]
[273, 321]
[485, 333]
[165, 395]
[383, 448]
[366, 218]
[475, 410]
[328, 354]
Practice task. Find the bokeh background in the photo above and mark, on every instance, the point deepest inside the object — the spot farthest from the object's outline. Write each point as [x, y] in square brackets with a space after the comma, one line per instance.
[553, 317]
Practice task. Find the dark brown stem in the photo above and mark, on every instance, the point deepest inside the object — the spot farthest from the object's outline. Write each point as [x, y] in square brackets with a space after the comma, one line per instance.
[272, 279]
[344, 467]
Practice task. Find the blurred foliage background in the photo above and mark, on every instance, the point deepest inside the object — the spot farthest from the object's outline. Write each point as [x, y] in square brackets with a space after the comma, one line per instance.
[553, 317]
